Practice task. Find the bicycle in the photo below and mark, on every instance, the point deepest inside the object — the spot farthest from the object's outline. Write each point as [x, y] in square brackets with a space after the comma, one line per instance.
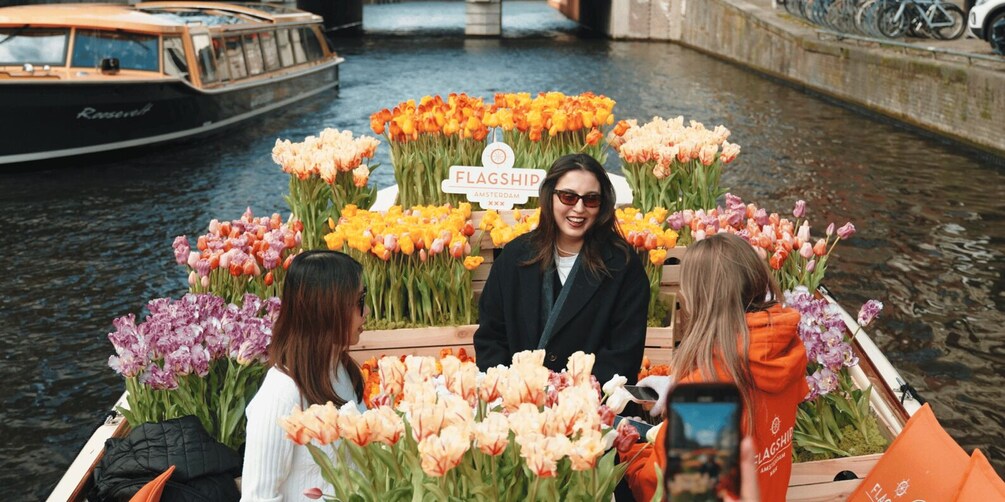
[941, 20]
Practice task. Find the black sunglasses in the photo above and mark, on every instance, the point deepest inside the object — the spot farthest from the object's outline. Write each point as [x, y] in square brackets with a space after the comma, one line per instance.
[362, 302]
[571, 198]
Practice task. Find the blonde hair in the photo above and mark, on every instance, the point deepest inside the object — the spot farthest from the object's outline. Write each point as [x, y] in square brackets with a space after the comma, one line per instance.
[722, 279]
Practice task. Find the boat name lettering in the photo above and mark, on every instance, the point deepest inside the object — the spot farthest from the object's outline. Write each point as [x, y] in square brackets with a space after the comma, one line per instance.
[93, 114]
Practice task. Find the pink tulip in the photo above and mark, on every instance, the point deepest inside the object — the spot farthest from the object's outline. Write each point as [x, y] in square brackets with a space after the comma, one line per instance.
[800, 209]
[830, 230]
[811, 266]
[846, 231]
[313, 493]
[806, 251]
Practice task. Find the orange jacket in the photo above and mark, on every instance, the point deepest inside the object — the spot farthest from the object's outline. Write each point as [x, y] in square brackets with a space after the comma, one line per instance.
[778, 365]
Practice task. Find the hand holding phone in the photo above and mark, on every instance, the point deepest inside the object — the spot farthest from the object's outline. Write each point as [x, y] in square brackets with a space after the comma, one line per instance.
[703, 443]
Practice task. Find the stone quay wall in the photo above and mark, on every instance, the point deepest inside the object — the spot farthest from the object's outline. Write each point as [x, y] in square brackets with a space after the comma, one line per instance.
[965, 102]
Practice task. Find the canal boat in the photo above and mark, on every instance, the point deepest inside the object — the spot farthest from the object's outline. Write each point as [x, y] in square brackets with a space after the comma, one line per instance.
[85, 78]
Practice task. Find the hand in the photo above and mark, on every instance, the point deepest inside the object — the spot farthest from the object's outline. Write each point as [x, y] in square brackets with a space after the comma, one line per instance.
[660, 384]
[749, 488]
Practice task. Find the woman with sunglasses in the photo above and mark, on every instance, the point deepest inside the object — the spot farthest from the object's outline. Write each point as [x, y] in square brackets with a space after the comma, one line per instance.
[571, 284]
[321, 316]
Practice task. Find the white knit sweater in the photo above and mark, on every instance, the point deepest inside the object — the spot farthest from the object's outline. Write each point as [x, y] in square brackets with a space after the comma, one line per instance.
[275, 468]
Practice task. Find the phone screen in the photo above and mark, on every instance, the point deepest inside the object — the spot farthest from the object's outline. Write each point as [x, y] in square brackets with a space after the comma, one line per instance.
[703, 443]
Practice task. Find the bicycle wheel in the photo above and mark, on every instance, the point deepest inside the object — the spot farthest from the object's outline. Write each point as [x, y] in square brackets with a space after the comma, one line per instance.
[888, 24]
[949, 13]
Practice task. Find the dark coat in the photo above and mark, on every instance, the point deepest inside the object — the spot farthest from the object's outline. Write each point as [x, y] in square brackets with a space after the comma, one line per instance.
[204, 468]
[605, 316]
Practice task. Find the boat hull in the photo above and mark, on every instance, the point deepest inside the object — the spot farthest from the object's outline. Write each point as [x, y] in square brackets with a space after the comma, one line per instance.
[47, 120]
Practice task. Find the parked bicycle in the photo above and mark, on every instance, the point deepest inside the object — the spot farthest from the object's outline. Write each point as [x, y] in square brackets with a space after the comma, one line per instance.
[935, 18]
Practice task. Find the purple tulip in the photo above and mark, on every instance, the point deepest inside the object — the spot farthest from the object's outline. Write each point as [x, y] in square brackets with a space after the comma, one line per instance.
[181, 249]
[846, 231]
[810, 266]
[830, 229]
[800, 209]
[868, 312]
[676, 221]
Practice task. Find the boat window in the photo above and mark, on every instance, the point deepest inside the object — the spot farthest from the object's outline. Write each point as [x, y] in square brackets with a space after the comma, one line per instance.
[285, 49]
[134, 51]
[33, 45]
[253, 52]
[311, 44]
[175, 63]
[298, 47]
[268, 40]
[204, 55]
[235, 57]
[219, 49]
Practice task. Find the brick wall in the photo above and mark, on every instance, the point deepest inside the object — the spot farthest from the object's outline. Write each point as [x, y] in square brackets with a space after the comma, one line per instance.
[954, 99]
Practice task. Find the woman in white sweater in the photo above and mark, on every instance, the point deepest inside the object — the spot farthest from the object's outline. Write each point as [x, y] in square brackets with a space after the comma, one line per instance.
[322, 314]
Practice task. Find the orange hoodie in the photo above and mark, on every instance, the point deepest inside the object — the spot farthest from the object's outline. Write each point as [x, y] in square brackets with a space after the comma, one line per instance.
[778, 365]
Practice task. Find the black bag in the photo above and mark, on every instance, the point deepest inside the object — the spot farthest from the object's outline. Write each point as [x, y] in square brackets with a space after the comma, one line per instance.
[204, 468]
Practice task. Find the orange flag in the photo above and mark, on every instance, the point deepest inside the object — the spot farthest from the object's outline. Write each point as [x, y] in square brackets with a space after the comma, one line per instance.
[980, 483]
[151, 492]
[922, 463]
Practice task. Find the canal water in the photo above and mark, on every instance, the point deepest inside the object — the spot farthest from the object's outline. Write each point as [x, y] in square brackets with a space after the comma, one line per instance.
[91, 240]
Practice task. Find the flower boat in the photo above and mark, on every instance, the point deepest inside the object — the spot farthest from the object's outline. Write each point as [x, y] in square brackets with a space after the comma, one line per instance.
[890, 401]
[83, 79]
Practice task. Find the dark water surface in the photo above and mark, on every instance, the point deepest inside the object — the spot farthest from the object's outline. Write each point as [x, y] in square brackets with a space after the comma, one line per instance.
[92, 241]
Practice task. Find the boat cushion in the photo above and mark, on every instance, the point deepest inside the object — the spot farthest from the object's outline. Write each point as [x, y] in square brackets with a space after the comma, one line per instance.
[204, 468]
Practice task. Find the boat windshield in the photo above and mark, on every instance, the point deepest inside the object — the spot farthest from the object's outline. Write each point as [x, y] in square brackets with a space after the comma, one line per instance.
[33, 45]
[135, 51]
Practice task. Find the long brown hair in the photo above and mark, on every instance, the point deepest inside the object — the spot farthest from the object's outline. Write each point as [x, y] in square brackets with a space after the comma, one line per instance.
[602, 234]
[312, 333]
[722, 279]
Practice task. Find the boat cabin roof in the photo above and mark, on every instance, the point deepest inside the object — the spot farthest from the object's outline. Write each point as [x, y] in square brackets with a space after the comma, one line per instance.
[158, 17]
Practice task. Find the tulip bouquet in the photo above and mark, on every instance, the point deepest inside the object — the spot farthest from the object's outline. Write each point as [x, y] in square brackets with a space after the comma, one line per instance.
[671, 165]
[247, 255]
[518, 433]
[327, 172]
[791, 252]
[371, 372]
[649, 235]
[417, 262]
[194, 356]
[834, 420]
[541, 129]
[502, 232]
[429, 137]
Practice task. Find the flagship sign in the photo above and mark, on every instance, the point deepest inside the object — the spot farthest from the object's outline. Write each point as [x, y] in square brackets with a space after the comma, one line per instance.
[497, 185]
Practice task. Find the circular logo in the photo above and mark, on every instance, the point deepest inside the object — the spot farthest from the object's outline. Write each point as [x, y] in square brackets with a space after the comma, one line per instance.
[902, 488]
[498, 155]
[775, 425]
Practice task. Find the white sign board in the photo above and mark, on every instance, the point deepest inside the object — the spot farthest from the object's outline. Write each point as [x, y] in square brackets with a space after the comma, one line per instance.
[497, 185]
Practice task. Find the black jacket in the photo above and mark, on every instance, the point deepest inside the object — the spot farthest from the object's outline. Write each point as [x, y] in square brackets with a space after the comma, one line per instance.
[204, 468]
[605, 316]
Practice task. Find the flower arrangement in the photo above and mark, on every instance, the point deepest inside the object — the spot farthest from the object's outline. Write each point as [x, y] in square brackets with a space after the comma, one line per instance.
[194, 356]
[541, 129]
[787, 245]
[502, 232]
[417, 262]
[834, 420]
[247, 255]
[670, 165]
[371, 372]
[648, 234]
[513, 433]
[327, 172]
[427, 138]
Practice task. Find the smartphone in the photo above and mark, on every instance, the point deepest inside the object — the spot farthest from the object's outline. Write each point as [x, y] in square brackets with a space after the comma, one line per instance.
[642, 393]
[703, 442]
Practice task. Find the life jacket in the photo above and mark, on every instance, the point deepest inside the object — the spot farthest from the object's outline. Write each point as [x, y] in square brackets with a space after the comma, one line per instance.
[777, 361]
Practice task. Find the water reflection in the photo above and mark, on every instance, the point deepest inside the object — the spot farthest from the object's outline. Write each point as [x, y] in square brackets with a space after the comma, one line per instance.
[92, 241]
